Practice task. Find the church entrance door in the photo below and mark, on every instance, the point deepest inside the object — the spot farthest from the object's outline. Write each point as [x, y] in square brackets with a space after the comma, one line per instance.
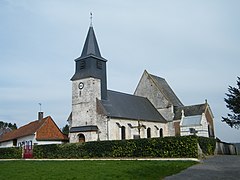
[81, 138]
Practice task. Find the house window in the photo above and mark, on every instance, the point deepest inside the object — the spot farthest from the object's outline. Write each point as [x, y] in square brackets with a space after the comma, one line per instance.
[15, 142]
[28, 145]
[148, 132]
[123, 132]
[161, 132]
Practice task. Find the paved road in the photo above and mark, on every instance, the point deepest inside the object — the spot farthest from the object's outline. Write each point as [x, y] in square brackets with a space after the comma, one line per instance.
[217, 167]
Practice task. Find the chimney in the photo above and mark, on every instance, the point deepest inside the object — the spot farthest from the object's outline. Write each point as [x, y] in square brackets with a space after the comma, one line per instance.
[40, 115]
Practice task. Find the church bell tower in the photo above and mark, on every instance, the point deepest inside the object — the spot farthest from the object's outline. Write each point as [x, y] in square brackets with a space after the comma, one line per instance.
[89, 83]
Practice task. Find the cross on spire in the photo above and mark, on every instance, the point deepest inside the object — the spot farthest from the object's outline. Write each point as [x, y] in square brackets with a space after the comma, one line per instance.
[91, 17]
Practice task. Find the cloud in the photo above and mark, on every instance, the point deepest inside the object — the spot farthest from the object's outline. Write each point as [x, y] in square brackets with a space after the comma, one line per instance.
[193, 45]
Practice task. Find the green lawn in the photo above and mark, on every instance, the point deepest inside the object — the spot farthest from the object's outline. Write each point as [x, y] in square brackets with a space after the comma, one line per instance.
[90, 169]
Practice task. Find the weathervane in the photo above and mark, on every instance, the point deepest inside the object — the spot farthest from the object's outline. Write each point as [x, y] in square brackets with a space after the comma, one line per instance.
[91, 17]
[40, 106]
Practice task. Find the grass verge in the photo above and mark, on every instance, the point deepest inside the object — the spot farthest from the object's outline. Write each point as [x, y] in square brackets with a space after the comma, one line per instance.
[91, 169]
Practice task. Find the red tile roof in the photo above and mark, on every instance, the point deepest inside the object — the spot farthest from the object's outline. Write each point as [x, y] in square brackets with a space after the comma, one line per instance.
[50, 131]
[45, 129]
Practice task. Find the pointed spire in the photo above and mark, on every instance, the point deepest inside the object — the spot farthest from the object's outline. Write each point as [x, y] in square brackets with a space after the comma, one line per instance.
[91, 46]
[91, 63]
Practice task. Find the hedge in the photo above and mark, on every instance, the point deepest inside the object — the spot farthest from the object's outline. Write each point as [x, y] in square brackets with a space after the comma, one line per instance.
[11, 153]
[207, 145]
[174, 147]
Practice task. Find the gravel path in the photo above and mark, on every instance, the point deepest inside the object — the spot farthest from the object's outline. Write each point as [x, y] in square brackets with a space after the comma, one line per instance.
[225, 167]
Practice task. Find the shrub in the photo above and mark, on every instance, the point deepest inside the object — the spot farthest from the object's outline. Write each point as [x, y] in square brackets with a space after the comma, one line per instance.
[207, 145]
[155, 147]
[11, 153]
[167, 147]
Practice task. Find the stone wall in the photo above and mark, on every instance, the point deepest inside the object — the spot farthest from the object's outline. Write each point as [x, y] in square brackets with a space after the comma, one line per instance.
[147, 88]
[225, 148]
[84, 110]
[84, 102]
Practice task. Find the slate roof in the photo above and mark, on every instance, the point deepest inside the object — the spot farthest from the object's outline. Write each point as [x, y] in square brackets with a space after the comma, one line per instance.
[31, 129]
[166, 90]
[191, 121]
[91, 63]
[126, 106]
[189, 110]
[90, 47]
[88, 128]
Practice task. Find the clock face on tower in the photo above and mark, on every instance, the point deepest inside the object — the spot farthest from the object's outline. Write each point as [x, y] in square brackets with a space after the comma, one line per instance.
[81, 85]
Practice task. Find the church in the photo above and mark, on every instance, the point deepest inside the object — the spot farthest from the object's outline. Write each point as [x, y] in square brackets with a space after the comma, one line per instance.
[154, 110]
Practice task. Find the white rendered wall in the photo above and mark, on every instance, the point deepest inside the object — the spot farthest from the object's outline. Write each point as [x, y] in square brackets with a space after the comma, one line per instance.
[202, 130]
[6, 144]
[28, 138]
[115, 130]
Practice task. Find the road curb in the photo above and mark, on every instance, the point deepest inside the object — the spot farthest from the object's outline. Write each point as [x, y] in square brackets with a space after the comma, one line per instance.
[110, 159]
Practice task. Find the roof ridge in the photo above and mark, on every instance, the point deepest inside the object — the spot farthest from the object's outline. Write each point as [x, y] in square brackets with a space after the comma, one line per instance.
[128, 94]
[157, 76]
[194, 105]
[35, 121]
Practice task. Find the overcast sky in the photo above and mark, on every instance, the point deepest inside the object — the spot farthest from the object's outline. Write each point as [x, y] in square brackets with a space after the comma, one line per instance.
[194, 45]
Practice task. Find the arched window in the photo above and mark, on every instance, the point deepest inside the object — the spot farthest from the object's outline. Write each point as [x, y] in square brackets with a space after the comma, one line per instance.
[123, 132]
[161, 132]
[81, 138]
[148, 132]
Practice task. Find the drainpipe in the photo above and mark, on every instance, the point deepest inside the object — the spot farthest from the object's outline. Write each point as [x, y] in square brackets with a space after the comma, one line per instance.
[108, 119]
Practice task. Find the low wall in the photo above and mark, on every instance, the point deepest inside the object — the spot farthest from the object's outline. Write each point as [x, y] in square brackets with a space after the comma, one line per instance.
[225, 148]
[237, 145]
